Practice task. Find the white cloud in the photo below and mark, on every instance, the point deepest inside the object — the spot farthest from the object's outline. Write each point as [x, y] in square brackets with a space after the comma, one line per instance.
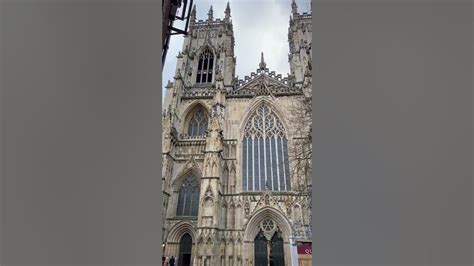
[259, 26]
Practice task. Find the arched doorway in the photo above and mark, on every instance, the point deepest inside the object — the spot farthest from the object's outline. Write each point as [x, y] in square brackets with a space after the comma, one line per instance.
[185, 246]
[276, 231]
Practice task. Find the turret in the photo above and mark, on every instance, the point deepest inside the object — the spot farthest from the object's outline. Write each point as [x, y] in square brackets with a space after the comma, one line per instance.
[227, 12]
[294, 8]
[210, 14]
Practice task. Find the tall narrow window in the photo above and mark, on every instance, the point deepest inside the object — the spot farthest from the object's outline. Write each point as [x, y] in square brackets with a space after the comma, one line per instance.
[205, 66]
[198, 123]
[265, 153]
[188, 199]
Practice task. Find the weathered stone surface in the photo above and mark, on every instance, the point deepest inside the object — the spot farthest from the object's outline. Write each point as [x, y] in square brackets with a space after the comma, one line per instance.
[229, 218]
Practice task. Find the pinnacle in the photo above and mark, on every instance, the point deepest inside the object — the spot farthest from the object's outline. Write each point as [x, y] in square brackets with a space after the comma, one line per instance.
[294, 7]
[262, 64]
[193, 13]
[227, 11]
[210, 14]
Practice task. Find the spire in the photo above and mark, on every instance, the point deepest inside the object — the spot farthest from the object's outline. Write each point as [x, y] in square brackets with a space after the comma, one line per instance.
[209, 14]
[193, 14]
[227, 11]
[262, 64]
[294, 8]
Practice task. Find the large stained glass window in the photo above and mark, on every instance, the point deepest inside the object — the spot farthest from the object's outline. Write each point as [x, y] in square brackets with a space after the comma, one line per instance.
[265, 153]
[198, 123]
[188, 198]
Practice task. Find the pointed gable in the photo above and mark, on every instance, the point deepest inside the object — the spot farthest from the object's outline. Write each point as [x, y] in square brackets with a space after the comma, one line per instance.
[264, 82]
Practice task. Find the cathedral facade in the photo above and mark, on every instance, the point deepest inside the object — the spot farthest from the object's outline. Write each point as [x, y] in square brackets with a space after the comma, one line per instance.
[233, 192]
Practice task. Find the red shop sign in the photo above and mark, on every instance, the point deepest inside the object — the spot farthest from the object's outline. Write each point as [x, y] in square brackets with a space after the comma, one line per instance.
[305, 249]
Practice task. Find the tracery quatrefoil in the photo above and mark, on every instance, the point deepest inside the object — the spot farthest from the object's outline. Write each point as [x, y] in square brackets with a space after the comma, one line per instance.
[268, 225]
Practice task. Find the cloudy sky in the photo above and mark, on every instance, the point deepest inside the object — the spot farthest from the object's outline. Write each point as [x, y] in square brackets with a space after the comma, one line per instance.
[259, 26]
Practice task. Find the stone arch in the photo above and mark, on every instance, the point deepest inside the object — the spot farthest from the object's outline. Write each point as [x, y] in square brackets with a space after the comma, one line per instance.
[253, 225]
[190, 168]
[253, 106]
[189, 112]
[197, 103]
[179, 229]
[206, 45]
[173, 239]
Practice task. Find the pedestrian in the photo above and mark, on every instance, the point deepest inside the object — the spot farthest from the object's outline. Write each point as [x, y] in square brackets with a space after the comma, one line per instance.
[172, 261]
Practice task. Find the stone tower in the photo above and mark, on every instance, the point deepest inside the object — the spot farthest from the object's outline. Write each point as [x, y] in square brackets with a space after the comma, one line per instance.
[227, 175]
[299, 38]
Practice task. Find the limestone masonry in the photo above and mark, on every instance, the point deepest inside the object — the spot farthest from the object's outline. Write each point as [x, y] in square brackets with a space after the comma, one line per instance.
[233, 194]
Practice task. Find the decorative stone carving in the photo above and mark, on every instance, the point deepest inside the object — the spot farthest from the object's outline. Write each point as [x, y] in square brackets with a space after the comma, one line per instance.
[229, 98]
[209, 193]
[247, 209]
[178, 74]
[288, 208]
[215, 124]
[218, 111]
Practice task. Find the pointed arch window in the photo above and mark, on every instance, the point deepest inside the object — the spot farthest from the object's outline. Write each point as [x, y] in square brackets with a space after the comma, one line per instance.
[188, 199]
[205, 66]
[198, 123]
[265, 153]
[185, 248]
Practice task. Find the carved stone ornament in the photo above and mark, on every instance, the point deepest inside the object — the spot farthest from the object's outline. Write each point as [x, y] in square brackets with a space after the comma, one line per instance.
[178, 74]
[219, 76]
[215, 125]
[268, 228]
[217, 111]
[247, 209]
[267, 199]
[288, 208]
[209, 193]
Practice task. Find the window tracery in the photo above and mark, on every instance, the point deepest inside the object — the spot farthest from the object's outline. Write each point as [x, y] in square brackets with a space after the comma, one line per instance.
[205, 66]
[265, 153]
[188, 198]
[267, 225]
[198, 123]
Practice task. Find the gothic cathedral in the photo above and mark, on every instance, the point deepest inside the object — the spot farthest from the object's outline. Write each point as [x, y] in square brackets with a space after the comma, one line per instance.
[232, 191]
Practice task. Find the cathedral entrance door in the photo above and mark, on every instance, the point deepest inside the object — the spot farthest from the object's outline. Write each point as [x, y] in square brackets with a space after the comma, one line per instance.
[277, 255]
[260, 250]
[185, 245]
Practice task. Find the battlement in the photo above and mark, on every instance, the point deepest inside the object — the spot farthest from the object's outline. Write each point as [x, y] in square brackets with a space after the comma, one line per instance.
[208, 22]
[266, 71]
